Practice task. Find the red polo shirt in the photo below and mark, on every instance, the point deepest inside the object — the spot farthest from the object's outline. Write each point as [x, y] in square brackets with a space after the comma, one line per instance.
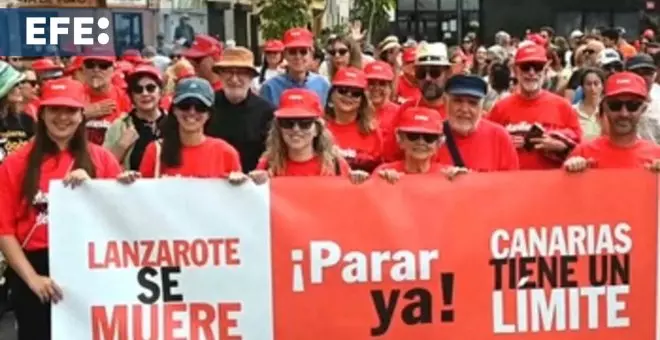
[607, 155]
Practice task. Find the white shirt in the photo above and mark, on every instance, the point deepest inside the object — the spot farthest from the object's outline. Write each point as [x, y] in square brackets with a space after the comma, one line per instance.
[270, 73]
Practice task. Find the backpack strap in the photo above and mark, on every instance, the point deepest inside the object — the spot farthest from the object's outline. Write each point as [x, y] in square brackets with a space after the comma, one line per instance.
[451, 145]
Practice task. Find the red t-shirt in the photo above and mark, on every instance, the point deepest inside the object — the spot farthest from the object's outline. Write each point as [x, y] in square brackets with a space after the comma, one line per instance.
[553, 112]
[488, 148]
[96, 128]
[213, 158]
[363, 152]
[31, 108]
[311, 167]
[607, 155]
[166, 102]
[406, 89]
[217, 85]
[18, 217]
[400, 166]
[386, 115]
[391, 150]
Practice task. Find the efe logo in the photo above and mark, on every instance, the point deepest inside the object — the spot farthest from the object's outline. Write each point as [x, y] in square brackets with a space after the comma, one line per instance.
[80, 27]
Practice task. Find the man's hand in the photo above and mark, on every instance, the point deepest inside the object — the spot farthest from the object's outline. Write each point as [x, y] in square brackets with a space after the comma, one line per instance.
[547, 143]
[100, 109]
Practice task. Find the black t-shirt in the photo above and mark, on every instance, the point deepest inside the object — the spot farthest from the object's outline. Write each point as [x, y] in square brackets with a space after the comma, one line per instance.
[15, 131]
[147, 132]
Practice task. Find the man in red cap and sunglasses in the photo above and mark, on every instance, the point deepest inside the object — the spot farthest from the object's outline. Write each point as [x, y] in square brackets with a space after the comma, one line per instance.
[204, 52]
[625, 100]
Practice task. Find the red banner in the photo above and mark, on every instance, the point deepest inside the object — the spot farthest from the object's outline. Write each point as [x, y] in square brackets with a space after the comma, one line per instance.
[530, 255]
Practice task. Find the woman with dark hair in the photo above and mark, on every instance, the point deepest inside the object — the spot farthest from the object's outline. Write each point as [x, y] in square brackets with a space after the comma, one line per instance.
[184, 149]
[128, 137]
[59, 151]
[271, 65]
[343, 51]
[16, 126]
[350, 118]
[499, 82]
[588, 108]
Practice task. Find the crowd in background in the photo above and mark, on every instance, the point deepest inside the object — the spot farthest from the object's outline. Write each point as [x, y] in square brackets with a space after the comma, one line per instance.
[203, 109]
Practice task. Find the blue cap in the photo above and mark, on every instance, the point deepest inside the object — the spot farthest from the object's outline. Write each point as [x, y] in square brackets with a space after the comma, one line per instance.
[463, 85]
[194, 87]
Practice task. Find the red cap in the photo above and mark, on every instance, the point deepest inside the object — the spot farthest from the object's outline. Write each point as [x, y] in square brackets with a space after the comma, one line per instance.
[299, 103]
[45, 64]
[409, 55]
[421, 119]
[63, 92]
[184, 72]
[100, 52]
[532, 53]
[350, 77]
[203, 46]
[298, 37]
[75, 64]
[626, 83]
[537, 39]
[146, 70]
[273, 46]
[648, 33]
[379, 70]
[124, 66]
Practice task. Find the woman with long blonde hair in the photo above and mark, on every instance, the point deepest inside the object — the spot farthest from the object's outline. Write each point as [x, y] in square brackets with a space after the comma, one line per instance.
[351, 119]
[298, 143]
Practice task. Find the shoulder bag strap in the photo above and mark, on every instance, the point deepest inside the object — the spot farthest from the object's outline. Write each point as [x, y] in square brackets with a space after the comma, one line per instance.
[159, 150]
[451, 145]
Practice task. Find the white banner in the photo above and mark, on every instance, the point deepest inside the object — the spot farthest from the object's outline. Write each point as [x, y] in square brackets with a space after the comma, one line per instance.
[130, 268]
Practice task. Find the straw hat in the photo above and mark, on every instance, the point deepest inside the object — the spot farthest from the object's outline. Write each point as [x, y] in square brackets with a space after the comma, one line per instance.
[237, 57]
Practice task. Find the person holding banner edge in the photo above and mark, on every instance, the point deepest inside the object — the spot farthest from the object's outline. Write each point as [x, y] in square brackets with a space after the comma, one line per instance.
[59, 151]
[625, 101]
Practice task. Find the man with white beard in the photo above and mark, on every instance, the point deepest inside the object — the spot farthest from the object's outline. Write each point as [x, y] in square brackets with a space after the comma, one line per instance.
[543, 125]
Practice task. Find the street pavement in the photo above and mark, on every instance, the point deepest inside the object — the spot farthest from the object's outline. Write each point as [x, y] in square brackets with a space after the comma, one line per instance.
[7, 330]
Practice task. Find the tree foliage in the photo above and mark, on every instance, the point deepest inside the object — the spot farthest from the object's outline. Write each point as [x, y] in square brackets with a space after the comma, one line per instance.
[374, 15]
[277, 16]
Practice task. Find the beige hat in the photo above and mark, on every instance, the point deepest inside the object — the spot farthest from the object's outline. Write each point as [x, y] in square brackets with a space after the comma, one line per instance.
[434, 54]
[389, 43]
[237, 57]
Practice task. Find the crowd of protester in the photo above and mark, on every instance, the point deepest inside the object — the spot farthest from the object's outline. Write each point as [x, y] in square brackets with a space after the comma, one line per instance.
[537, 103]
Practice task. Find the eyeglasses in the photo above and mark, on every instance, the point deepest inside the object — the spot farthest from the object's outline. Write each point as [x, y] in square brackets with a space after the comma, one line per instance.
[138, 89]
[32, 83]
[197, 105]
[427, 137]
[297, 51]
[338, 52]
[350, 92]
[92, 64]
[289, 123]
[422, 72]
[615, 67]
[631, 105]
[380, 83]
[537, 67]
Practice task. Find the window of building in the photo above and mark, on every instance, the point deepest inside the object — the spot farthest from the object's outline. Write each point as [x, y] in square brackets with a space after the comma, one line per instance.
[630, 21]
[597, 20]
[127, 31]
[567, 22]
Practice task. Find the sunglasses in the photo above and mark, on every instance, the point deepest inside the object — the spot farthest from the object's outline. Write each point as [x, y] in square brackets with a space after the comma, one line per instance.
[427, 137]
[175, 56]
[423, 72]
[338, 52]
[631, 105]
[589, 51]
[32, 83]
[537, 67]
[297, 51]
[92, 64]
[350, 92]
[197, 105]
[290, 123]
[138, 89]
[613, 68]
[380, 83]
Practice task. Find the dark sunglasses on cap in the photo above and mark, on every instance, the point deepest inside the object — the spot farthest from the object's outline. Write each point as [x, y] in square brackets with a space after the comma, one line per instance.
[289, 123]
[422, 72]
[631, 105]
[427, 137]
[537, 67]
[350, 91]
[92, 64]
[297, 51]
[338, 52]
[199, 107]
[138, 89]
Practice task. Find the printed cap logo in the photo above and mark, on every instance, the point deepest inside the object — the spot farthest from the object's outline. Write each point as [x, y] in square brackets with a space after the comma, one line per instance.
[295, 33]
[351, 74]
[58, 87]
[623, 81]
[193, 86]
[422, 118]
[296, 97]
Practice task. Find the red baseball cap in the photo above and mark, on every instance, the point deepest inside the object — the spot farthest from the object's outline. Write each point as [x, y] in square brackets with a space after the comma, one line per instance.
[531, 54]
[273, 46]
[145, 70]
[409, 55]
[626, 83]
[379, 70]
[350, 77]
[45, 64]
[63, 92]
[203, 46]
[184, 72]
[421, 120]
[124, 66]
[298, 37]
[100, 52]
[299, 103]
[75, 64]
[537, 39]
